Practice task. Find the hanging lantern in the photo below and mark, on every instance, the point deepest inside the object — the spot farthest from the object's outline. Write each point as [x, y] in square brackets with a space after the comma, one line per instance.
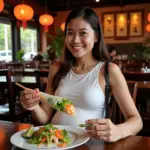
[148, 28]
[148, 17]
[46, 20]
[62, 26]
[24, 13]
[1, 5]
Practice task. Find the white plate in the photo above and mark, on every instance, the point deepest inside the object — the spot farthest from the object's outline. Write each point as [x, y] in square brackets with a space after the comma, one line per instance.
[78, 137]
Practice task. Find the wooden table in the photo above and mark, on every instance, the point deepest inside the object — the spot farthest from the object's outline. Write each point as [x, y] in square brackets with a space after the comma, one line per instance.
[7, 129]
[142, 84]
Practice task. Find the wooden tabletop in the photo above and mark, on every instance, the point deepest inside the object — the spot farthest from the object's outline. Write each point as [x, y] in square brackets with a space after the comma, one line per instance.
[7, 129]
[142, 84]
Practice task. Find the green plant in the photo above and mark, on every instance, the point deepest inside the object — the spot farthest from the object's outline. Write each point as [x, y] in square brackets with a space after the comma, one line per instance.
[143, 50]
[146, 52]
[57, 43]
[20, 55]
[45, 56]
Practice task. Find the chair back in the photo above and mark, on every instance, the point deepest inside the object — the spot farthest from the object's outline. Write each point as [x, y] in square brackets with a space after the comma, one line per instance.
[41, 76]
[13, 111]
[10, 92]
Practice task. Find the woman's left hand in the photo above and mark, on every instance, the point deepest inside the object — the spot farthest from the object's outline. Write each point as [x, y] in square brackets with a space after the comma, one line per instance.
[103, 129]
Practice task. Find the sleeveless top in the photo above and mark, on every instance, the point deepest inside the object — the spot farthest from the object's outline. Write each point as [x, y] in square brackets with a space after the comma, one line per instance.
[86, 94]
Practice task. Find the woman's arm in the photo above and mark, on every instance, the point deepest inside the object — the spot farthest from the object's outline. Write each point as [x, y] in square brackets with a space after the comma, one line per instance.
[103, 128]
[133, 123]
[43, 113]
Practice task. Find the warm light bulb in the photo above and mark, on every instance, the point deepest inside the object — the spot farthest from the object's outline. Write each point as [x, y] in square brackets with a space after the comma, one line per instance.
[121, 18]
[97, 0]
[22, 11]
[135, 17]
[45, 20]
[62, 26]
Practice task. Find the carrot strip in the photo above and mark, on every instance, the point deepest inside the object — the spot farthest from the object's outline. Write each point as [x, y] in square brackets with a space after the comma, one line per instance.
[42, 141]
[58, 134]
[69, 109]
[62, 145]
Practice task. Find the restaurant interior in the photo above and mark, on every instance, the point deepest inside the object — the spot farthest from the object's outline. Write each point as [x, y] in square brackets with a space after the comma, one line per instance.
[29, 45]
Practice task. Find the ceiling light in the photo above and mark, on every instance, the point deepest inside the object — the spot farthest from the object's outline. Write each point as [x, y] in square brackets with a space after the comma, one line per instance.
[97, 0]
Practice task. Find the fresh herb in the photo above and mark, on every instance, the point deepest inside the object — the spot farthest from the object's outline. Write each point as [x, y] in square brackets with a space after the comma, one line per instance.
[60, 106]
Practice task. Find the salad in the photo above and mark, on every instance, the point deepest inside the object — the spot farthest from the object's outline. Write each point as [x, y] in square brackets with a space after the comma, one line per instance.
[47, 134]
[59, 103]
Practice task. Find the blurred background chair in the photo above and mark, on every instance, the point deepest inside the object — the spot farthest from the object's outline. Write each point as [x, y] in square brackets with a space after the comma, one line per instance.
[41, 78]
[10, 110]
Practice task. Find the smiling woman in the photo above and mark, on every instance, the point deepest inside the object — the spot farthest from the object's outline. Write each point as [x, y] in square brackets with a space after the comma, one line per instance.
[80, 78]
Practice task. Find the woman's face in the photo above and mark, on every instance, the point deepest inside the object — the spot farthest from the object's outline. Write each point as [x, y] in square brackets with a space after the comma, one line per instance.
[80, 37]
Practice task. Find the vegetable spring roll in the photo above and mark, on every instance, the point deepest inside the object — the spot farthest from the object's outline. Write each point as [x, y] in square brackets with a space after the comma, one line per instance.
[59, 103]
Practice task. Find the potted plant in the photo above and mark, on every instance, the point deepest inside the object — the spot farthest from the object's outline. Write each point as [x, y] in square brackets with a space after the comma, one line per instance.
[56, 46]
[146, 52]
[143, 50]
[20, 55]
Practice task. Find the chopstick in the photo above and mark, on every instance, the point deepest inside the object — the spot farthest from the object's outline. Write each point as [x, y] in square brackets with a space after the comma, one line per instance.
[85, 125]
[23, 87]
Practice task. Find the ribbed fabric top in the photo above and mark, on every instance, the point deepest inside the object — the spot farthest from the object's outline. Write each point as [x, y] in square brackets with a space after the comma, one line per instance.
[86, 94]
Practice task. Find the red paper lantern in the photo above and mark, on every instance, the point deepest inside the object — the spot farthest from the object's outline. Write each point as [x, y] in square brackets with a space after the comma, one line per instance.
[24, 13]
[1, 5]
[148, 28]
[62, 26]
[148, 17]
[46, 20]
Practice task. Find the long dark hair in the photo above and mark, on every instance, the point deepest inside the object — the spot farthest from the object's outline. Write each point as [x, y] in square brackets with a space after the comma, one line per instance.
[99, 51]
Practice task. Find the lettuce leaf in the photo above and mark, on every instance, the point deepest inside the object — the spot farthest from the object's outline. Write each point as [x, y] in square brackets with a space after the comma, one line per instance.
[60, 106]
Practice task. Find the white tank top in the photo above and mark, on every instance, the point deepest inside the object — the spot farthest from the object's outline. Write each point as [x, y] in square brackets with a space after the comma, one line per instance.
[86, 94]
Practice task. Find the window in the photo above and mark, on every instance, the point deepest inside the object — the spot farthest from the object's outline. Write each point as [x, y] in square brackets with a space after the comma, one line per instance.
[5, 41]
[29, 42]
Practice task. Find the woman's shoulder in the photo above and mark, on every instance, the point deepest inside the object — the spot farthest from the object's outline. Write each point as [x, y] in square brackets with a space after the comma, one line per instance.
[54, 68]
[112, 67]
[115, 73]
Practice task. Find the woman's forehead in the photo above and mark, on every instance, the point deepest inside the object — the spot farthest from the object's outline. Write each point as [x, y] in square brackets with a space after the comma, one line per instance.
[78, 23]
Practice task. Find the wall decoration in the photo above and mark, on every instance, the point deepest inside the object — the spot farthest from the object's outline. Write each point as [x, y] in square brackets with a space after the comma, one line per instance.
[121, 25]
[136, 23]
[108, 24]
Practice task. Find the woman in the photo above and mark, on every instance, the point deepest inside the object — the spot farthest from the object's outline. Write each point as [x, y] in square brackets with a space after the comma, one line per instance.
[80, 78]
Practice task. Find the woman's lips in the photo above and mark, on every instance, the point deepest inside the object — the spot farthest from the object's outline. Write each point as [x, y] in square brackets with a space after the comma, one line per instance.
[77, 48]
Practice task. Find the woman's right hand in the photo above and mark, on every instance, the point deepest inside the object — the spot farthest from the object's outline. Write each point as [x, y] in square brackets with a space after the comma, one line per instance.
[30, 99]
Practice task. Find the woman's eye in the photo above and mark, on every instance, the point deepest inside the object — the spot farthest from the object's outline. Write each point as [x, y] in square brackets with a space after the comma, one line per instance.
[83, 33]
[69, 33]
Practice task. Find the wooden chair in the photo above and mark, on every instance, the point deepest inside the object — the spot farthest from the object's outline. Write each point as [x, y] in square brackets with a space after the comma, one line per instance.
[44, 65]
[29, 64]
[41, 76]
[11, 110]
[116, 114]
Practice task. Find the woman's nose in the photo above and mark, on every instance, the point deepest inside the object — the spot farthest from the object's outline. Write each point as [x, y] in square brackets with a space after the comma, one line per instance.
[76, 38]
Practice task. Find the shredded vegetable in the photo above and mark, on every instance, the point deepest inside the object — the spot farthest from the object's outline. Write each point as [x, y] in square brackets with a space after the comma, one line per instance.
[48, 134]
